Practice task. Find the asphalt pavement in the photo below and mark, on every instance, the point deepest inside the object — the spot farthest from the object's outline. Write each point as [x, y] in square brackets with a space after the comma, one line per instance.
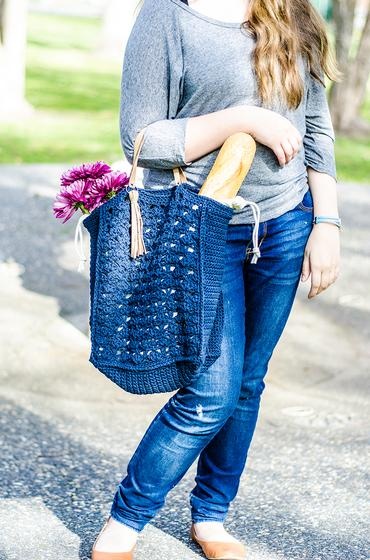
[67, 432]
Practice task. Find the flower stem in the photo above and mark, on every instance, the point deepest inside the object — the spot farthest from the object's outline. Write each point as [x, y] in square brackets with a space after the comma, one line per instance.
[82, 207]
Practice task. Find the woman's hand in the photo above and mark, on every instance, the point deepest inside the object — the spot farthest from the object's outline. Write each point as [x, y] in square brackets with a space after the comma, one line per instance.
[321, 258]
[274, 131]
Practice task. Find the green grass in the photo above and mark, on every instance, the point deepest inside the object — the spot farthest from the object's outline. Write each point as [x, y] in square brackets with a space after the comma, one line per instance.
[353, 159]
[63, 32]
[75, 93]
[353, 156]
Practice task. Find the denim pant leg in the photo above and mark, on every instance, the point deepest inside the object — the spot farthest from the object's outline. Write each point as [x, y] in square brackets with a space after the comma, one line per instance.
[270, 288]
[191, 417]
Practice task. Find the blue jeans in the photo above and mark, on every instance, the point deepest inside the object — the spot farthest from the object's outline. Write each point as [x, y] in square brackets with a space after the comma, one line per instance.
[215, 416]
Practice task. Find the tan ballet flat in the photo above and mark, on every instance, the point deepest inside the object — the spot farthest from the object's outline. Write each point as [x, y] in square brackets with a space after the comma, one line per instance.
[98, 555]
[218, 550]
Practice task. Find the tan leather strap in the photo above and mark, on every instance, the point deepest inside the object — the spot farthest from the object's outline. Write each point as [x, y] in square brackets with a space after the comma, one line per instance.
[178, 173]
[137, 148]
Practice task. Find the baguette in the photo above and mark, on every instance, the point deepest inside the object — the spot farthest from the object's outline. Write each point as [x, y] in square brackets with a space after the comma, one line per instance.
[230, 168]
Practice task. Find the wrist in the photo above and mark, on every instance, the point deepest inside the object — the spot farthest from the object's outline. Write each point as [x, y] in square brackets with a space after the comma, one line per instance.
[326, 227]
[249, 119]
[329, 211]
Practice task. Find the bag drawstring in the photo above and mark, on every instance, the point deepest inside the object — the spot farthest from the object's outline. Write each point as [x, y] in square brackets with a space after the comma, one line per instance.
[79, 243]
[256, 218]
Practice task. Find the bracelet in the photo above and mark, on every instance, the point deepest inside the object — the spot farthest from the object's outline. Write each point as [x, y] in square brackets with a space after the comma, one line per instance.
[328, 219]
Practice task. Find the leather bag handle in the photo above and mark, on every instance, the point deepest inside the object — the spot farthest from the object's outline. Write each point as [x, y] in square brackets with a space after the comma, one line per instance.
[178, 173]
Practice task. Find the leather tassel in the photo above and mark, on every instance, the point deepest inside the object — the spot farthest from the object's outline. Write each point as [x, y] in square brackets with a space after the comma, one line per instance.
[137, 238]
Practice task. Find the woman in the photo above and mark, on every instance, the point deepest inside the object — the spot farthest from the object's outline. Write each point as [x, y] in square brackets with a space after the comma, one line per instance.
[193, 75]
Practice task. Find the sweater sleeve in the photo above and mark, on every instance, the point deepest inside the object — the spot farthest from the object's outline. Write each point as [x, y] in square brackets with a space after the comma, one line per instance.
[151, 89]
[319, 138]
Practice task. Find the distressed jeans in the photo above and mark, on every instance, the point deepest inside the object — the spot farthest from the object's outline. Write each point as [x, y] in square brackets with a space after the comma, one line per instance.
[213, 418]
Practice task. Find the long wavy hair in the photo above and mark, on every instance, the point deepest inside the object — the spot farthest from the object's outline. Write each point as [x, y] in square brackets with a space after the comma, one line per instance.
[284, 31]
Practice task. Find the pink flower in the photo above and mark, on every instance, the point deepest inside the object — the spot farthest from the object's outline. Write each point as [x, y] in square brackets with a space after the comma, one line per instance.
[107, 186]
[85, 171]
[86, 187]
[71, 198]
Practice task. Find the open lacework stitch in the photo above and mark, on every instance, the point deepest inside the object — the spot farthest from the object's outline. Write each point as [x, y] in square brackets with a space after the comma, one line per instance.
[157, 318]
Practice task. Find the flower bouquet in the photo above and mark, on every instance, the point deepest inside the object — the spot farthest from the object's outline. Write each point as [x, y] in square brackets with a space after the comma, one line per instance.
[85, 187]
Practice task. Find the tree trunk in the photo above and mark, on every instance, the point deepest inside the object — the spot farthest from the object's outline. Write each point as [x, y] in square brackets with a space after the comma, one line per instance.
[13, 19]
[2, 16]
[346, 97]
[358, 76]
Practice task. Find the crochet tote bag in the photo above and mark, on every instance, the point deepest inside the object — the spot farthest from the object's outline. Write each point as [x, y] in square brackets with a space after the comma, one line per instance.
[156, 314]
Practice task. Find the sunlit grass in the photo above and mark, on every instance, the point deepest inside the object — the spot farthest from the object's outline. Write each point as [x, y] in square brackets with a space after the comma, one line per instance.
[75, 94]
[63, 32]
[90, 90]
[50, 137]
[353, 159]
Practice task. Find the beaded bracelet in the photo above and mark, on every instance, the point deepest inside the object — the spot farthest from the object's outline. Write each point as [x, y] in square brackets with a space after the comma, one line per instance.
[328, 219]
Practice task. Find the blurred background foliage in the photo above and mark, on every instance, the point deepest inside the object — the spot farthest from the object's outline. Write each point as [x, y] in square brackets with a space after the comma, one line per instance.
[72, 82]
[324, 7]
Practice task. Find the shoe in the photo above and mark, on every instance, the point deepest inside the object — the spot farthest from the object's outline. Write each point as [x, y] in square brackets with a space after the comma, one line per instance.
[218, 550]
[98, 555]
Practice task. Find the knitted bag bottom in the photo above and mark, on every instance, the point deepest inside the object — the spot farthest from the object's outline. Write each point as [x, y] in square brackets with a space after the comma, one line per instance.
[157, 320]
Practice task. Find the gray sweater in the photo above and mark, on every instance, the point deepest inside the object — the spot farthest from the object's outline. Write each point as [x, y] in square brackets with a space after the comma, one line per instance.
[179, 64]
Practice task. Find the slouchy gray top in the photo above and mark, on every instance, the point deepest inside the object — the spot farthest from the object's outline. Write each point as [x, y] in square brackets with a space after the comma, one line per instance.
[178, 64]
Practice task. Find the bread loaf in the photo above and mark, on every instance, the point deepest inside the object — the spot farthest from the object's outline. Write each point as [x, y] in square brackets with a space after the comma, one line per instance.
[230, 168]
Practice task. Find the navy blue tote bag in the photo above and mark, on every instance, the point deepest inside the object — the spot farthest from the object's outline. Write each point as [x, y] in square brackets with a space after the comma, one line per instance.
[156, 319]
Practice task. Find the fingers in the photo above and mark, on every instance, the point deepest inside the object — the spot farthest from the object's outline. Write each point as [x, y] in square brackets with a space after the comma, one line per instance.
[325, 281]
[289, 147]
[315, 282]
[305, 268]
[296, 142]
[280, 154]
[322, 279]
